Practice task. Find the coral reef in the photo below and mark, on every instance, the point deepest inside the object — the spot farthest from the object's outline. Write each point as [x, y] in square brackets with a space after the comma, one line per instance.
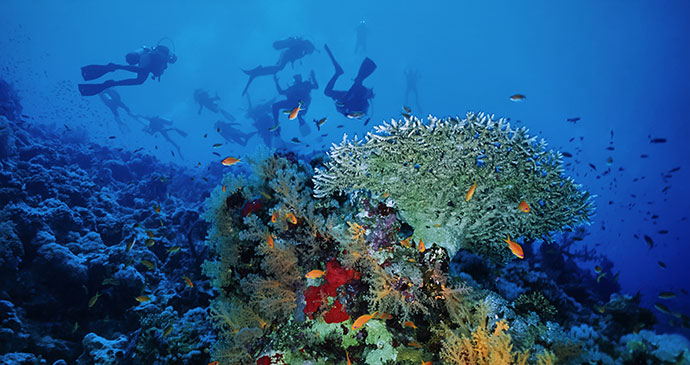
[68, 278]
[429, 169]
[306, 276]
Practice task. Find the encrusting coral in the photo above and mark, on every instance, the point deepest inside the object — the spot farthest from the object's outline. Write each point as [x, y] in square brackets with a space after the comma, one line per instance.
[427, 170]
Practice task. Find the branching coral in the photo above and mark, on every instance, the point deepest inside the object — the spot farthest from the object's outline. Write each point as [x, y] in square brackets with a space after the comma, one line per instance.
[483, 346]
[427, 169]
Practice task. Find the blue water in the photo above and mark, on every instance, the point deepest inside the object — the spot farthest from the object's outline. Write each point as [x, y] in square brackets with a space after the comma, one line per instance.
[620, 66]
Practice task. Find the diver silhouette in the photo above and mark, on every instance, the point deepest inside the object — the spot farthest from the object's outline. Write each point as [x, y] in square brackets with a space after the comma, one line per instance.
[411, 78]
[143, 61]
[113, 101]
[231, 134]
[361, 42]
[262, 119]
[205, 100]
[293, 48]
[163, 126]
[298, 92]
[353, 103]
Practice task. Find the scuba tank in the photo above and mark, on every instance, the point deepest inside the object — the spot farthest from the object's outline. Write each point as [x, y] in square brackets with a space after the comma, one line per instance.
[134, 57]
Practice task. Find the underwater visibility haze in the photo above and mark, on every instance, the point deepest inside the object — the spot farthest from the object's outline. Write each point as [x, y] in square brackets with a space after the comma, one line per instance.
[311, 182]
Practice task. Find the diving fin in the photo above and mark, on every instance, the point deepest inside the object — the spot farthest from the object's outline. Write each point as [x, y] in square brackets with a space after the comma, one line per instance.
[92, 72]
[94, 89]
[367, 68]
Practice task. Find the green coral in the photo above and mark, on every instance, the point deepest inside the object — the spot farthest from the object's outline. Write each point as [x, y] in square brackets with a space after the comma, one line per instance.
[427, 169]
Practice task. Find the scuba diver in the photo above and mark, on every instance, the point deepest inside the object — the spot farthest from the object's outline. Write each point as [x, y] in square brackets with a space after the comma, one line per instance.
[361, 43]
[298, 93]
[232, 134]
[293, 48]
[163, 126]
[143, 61]
[353, 103]
[264, 124]
[205, 100]
[113, 101]
[411, 77]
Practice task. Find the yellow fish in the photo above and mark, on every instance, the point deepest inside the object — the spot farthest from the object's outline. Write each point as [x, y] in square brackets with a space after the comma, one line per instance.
[515, 248]
[157, 208]
[143, 298]
[230, 161]
[149, 265]
[421, 246]
[517, 97]
[523, 207]
[314, 274]
[93, 300]
[188, 281]
[600, 276]
[167, 330]
[173, 249]
[265, 195]
[415, 344]
[409, 324]
[129, 245]
[405, 242]
[149, 242]
[362, 320]
[291, 218]
[470, 192]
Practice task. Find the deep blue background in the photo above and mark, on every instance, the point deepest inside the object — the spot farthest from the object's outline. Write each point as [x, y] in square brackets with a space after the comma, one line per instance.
[621, 66]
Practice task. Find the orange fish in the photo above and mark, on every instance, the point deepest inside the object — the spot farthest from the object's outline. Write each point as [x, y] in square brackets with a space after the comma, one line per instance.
[515, 248]
[230, 161]
[269, 240]
[517, 97]
[213, 363]
[149, 233]
[291, 218]
[409, 324]
[347, 356]
[362, 320]
[597, 269]
[470, 192]
[421, 246]
[425, 362]
[223, 188]
[129, 245]
[314, 274]
[143, 298]
[385, 195]
[188, 281]
[415, 344]
[405, 242]
[523, 207]
[157, 208]
[274, 216]
[293, 113]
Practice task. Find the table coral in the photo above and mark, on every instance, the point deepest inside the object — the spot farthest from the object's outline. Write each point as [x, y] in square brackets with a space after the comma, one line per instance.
[427, 169]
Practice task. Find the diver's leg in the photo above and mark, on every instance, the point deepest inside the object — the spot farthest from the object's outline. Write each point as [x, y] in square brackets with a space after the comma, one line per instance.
[283, 104]
[338, 70]
[165, 135]
[227, 115]
[140, 79]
